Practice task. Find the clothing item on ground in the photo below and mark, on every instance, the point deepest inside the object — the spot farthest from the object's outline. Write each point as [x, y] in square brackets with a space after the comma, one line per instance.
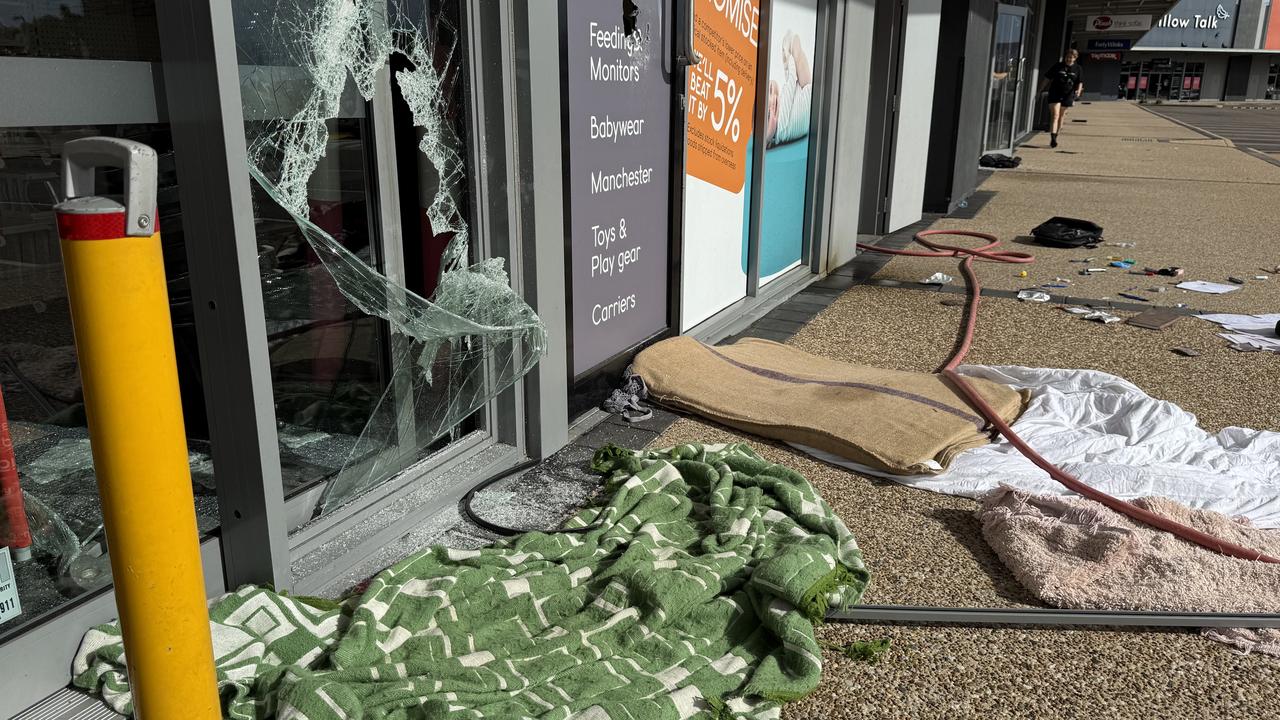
[895, 421]
[996, 160]
[1076, 553]
[1256, 331]
[1114, 437]
[694, 594]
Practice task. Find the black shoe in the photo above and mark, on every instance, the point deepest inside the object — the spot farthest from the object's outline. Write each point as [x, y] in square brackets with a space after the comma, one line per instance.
[1053, 141]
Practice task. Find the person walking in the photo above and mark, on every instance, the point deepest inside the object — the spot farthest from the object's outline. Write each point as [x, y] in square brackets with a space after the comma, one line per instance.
[1065, 82]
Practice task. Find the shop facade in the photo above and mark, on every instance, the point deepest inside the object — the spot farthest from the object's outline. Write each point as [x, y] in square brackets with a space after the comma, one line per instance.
[1197, 51]
[629, 194]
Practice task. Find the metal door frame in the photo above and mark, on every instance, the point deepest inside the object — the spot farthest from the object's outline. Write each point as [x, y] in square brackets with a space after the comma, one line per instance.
[1020, 11]
[889, 33]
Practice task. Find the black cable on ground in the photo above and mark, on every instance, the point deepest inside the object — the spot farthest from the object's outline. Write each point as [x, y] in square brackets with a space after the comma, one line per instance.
[470, 513]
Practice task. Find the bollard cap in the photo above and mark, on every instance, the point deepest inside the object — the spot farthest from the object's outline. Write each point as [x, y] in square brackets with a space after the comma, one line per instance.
[84, 216]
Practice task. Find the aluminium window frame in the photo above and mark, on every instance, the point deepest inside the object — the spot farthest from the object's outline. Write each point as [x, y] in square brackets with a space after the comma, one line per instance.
[199, 36]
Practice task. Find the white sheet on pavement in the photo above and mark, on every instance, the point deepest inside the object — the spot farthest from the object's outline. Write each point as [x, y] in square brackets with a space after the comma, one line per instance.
[1113, 436]
[1256, 330]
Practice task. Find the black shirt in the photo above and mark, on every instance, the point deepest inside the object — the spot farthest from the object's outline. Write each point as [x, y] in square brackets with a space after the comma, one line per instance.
[1063, 78]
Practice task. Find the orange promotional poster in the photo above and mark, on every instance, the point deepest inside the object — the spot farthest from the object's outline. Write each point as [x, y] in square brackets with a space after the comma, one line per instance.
[722, 91]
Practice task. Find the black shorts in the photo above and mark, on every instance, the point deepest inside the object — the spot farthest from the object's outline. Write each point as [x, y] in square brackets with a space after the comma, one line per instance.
[1065, 100]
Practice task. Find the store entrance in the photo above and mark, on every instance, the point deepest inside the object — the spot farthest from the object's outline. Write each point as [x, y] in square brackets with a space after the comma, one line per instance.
[1006, 91]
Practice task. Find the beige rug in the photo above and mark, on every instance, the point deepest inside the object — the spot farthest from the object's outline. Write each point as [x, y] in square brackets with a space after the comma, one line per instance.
[1076, 553]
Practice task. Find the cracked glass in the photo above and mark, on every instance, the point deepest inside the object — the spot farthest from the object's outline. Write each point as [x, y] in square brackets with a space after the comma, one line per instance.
[380, 354]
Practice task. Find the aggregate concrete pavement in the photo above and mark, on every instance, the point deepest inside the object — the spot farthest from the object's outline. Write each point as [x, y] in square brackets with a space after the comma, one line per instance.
[927, 549]
[1211, 215]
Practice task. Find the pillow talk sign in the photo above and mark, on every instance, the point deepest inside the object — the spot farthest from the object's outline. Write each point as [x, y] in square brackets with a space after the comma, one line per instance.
[618, 105]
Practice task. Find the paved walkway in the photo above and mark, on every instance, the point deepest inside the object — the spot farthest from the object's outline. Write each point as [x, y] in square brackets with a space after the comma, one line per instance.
[1184, 200]
[1180, 198]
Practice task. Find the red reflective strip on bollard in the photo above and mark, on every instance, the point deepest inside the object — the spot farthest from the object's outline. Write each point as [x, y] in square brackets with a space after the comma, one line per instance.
[94, 226]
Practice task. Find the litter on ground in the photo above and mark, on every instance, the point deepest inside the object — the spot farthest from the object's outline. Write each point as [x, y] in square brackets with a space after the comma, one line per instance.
[1154, 319]
[1034, 295]
[1101, 316]
[1249, 332]
[1212, 288]
[937, 279]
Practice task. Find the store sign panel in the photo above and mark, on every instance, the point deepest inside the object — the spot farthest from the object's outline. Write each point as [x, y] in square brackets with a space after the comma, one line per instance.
[1194, 24]
[1118, 23]
[1110, 44]
[10, 606]
[1104, 56]
[619, 147]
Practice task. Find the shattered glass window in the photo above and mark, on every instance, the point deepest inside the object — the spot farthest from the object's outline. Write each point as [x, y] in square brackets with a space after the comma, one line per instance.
[380, 353]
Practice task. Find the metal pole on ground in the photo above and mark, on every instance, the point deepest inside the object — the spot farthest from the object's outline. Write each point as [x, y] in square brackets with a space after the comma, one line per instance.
[120, 313]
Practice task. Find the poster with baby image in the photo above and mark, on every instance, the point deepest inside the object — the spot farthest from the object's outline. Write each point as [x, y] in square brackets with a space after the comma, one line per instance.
[721, 107]
[793, 28]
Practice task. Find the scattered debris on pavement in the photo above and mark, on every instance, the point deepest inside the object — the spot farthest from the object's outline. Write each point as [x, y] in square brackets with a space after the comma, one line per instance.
[1154, 319]
[996, 160]
[1212, 288]
[937, 279]
[1186, 351]
[1033, 295]
[1248, 333]
[1068, 232]
[1101, 316]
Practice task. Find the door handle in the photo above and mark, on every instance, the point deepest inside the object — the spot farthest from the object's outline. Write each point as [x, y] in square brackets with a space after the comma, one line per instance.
[690, 56]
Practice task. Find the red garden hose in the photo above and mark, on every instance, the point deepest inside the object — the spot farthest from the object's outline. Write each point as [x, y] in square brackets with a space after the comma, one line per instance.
[989, 253]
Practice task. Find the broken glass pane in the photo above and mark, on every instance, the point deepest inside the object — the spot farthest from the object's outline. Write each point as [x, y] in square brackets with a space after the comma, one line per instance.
[449, 354]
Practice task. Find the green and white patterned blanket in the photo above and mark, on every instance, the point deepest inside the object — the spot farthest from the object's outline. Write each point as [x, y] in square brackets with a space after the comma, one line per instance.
[693, 595]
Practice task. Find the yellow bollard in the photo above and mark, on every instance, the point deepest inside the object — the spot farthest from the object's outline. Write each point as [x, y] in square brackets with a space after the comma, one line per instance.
[120, 313]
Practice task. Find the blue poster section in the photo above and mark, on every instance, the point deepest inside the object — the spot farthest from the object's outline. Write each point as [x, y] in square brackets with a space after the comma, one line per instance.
[789, 96]
[782, 221]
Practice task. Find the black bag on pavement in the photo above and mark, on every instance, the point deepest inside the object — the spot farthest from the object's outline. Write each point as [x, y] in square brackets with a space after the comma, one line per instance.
[996, 160]
[1068, 232]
